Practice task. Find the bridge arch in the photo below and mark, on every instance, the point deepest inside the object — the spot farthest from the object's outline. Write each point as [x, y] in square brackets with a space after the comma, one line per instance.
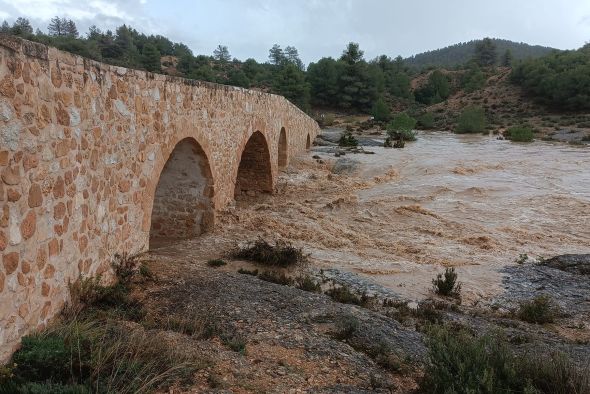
[283, 149]
[254, 173]
[183, 199]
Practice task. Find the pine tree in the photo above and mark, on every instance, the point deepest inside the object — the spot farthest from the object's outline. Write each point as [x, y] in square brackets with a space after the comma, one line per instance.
[507, 58]
[290, 82]
[221, 54]
[276, 55]
[56, 26]
[5, 28]
[485, 53]
[70, 29]
[292, 56]
[151, 58]
[22, 27]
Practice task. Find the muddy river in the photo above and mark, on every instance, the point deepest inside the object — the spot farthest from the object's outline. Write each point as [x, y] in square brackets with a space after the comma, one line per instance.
[399, 216]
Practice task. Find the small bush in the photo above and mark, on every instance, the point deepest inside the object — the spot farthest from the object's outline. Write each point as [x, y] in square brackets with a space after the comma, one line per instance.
[402, 128]
[520, 134]
[348, 139]
[344, 295]
[426, 121]
[539, 310]
[281, 254]
[307, 283]
[83, 356]
[275, 277]
[459, 362]
[216, 263]
[248, 272]
[235, 342]
[471, 120]
[447, 285]
[346, 326]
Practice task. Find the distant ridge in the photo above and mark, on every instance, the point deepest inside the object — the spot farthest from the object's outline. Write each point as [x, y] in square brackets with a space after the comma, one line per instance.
[461, 53]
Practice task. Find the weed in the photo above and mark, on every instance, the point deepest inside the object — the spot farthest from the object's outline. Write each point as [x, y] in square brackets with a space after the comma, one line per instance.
[459, 362]
[522, 258]
[248, 272]
[346, 326]
[343, 294]
[539, 310]
[447, 285]
[275, 277]
[216, 263]
[235, 342]
[307, 283]
[281, 254]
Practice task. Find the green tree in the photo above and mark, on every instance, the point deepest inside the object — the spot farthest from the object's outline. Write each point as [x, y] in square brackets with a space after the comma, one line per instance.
[290, 82]
[276, 55]
[402, 127]
[485, 53]
[237, 77]
[56, 26]
[22, 27]
[221, 54]
[380, 110]
[292, 56]
[151, 58]
[507, 58]
[70, 29]
[473, 79]
[357, 88]
[437, 89]
[471, 120]
[323, 78]
[5, 28]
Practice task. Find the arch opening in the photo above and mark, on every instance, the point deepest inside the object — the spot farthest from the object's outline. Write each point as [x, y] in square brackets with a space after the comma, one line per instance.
[308, 143]
[183, 206]
[283, 149]
[254, 173]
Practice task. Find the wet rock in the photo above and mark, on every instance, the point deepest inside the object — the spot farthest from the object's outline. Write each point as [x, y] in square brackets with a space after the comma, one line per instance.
[345, 166]
[572, 263]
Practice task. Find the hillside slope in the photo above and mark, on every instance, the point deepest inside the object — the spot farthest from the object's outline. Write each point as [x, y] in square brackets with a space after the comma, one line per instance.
[461, 53]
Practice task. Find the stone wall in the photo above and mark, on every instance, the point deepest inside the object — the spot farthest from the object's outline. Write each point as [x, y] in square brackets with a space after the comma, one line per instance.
[82, 147]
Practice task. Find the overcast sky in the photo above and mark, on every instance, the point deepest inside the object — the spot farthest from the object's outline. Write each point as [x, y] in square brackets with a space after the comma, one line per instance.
[323, 27]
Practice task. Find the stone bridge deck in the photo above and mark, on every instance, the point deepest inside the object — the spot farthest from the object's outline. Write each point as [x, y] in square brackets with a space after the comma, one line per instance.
[96, 159]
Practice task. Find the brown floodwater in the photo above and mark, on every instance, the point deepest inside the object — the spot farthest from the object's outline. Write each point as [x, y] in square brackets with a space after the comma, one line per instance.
[471, 202]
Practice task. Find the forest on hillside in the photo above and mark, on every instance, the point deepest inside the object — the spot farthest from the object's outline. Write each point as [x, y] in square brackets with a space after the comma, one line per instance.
[459, 54]
[349, 83]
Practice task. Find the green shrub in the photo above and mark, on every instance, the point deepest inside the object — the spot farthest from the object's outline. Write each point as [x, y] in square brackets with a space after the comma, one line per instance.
[348, 139]
[520, 134]
[380, 111]
[343, 294]
[248, 272]
[281, 254]
[216, 263]
[275, 277]
[307, 283]
[83, 356]
[459, 362]
[540, 310]
[426, 121]
[402, 127]
[346, 326]
[471, 120]
[447, 285]
[235, 342]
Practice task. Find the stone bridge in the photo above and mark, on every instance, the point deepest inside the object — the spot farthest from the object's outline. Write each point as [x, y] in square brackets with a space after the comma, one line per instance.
[98, 160]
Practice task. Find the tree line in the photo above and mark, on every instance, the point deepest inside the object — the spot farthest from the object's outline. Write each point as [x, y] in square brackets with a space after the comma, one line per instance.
[348, 83]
